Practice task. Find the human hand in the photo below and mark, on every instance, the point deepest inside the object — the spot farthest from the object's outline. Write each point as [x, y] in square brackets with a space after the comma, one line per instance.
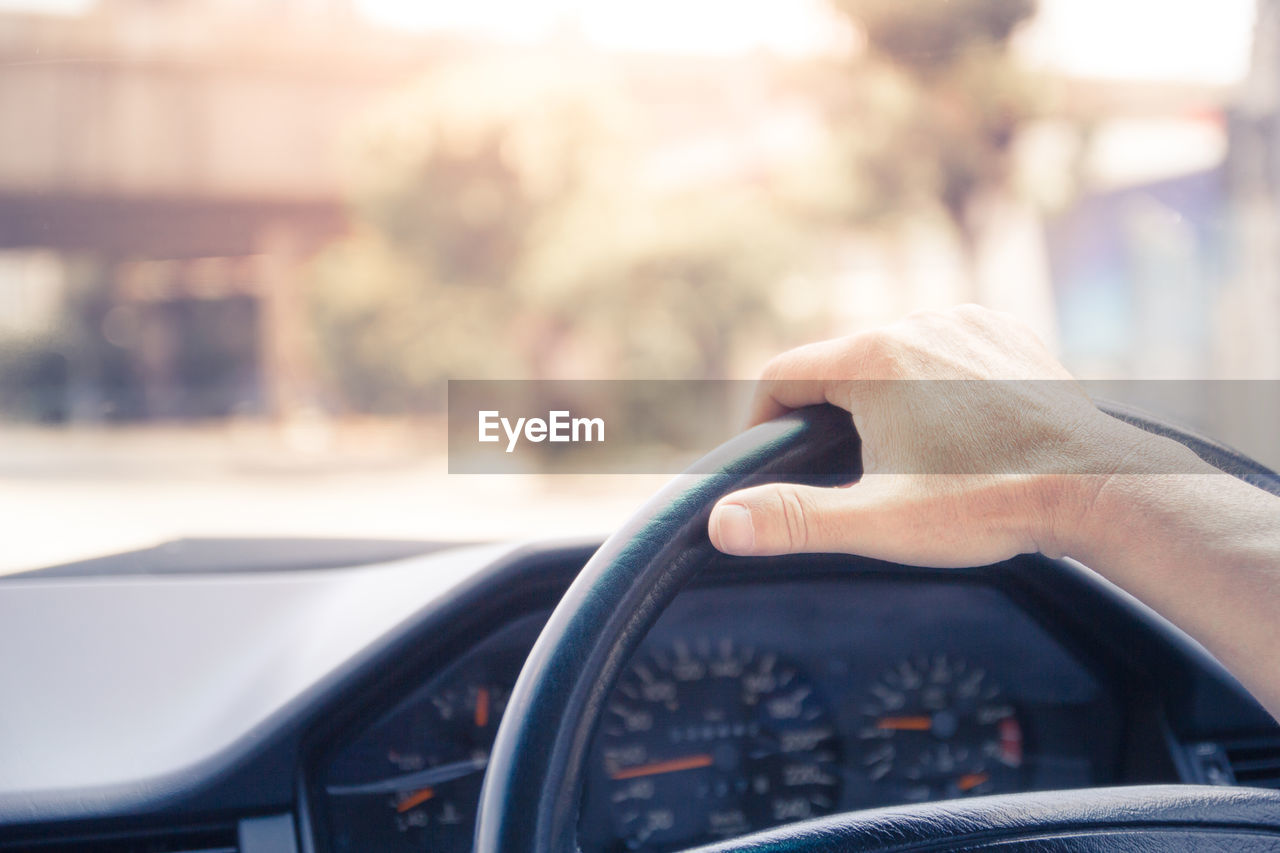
[976, 443]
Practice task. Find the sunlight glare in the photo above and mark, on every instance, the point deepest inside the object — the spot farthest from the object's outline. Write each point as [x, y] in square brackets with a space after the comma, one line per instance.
[704, 27]
[1151, 40]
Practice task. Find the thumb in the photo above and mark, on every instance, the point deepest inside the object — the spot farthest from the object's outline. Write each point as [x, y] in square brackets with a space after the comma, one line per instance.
[779, 518]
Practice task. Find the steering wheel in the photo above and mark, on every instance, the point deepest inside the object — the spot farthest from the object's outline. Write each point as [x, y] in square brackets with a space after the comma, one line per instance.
[533, 786]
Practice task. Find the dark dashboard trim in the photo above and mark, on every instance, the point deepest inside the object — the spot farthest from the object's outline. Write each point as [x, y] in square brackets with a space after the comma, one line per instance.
[224, 556]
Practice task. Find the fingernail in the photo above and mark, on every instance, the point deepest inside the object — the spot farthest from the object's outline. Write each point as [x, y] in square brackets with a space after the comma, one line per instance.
[733, 524]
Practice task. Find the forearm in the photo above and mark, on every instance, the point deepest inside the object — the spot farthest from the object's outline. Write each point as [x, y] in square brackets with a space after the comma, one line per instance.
[1199, 546]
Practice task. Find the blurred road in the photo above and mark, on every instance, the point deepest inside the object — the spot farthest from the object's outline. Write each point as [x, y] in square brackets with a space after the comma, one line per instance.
[69, 494]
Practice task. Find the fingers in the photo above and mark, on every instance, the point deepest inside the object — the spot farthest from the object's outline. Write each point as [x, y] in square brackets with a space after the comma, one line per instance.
[803, 377]
[784, 518]
[967, 342]
[912, 425]
[944, 522]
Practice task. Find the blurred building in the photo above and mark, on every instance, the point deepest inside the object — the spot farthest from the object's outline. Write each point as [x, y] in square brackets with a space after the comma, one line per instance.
[1251, 305]
[1168, 266]
[1140, 255]
[166, 169]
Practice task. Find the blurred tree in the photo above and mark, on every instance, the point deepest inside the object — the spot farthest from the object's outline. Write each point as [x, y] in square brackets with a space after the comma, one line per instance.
[506, 232]
[388, 333]
[923, 118]
[451, 182]
[930, 37]
[667, 286]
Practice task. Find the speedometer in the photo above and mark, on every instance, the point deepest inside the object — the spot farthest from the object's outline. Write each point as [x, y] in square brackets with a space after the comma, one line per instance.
[934, 727]
[712, 740]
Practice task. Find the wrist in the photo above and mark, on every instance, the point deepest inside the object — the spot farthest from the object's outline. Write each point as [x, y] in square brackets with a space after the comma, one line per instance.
[1112, 477]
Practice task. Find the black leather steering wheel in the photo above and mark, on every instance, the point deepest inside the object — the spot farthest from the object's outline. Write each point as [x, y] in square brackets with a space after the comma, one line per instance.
[533, 786]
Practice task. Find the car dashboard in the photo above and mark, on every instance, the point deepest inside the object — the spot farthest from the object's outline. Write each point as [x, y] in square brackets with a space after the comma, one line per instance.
[351, 707]
[751, 705]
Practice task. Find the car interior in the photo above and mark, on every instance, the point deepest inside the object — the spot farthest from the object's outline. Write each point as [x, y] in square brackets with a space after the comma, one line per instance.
[370, 370]
[640, 694]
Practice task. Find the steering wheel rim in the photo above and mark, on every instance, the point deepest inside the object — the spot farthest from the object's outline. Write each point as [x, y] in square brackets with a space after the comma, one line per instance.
[530, 799]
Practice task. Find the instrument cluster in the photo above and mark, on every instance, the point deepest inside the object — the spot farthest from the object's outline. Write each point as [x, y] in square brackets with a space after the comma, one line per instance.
[831, 696]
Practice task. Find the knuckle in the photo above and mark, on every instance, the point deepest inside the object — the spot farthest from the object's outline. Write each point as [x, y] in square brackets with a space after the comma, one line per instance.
[926, 317]
[980, 317]
[972, 311]
[775, 368]
[867, 345]
[796, 363]
[796, 517]
[874, 354]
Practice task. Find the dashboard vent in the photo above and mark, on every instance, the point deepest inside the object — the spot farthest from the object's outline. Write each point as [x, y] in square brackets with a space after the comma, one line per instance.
[181, 841]
[1255, 763]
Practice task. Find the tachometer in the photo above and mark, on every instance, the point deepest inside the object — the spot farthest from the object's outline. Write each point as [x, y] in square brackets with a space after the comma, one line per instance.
[711, 741]
[936, 728]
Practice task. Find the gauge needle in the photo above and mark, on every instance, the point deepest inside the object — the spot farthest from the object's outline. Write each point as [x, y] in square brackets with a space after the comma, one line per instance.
[482, 708]
[415, 781]
[688, 762]
[921, 723]
[415, 799]
[969, 781]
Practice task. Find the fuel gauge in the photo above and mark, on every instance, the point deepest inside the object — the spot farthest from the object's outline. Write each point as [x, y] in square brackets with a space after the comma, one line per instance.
[431, 763]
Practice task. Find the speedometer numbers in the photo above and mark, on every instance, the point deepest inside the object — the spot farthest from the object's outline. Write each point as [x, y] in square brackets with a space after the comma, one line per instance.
[934, 728]
[711, 740]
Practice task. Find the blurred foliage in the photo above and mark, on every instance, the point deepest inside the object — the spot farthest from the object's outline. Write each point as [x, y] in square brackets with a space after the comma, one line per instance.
[389, 333]
[506, 233]
[925, 115]
[931, 36]
[508, 229]
[664, 286]
[459, 172]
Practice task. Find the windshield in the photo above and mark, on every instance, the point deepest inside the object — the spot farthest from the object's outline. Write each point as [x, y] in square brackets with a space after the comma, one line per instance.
[245, 246]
